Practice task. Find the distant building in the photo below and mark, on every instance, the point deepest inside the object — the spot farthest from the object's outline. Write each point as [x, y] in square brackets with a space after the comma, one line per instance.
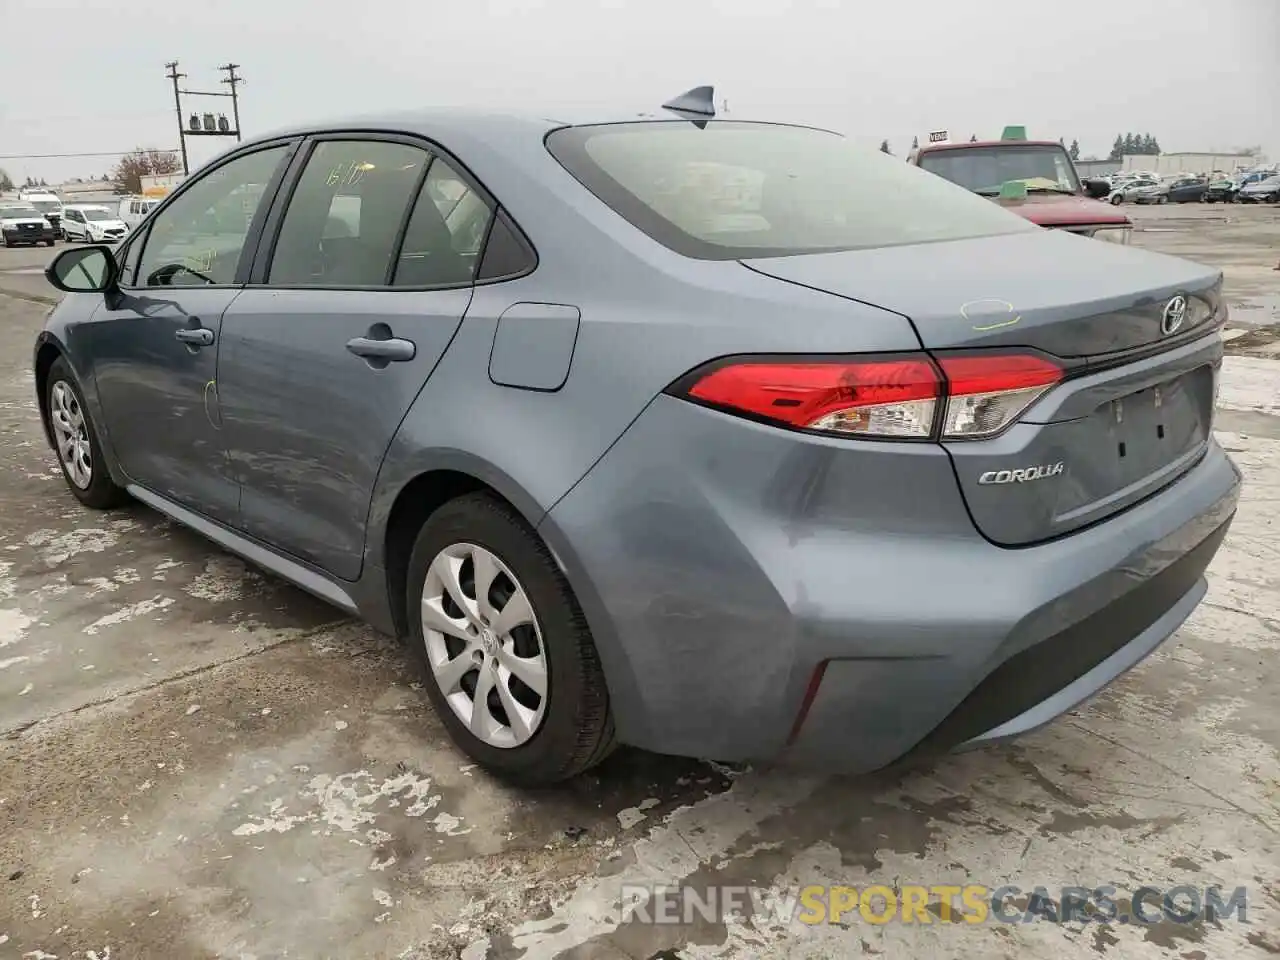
[1167, 163]
[160, 184]
[87, 191]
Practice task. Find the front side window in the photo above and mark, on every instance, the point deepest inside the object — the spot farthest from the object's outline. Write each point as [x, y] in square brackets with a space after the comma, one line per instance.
[733, 190]
[984, 170]
[198, 240]
[344, 217]
[443, 239]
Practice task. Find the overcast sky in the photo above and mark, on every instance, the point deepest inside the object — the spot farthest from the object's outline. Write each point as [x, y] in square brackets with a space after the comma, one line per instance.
[1199, 74]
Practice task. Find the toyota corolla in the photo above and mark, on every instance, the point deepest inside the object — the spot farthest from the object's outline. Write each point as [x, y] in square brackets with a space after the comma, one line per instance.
[712, 437]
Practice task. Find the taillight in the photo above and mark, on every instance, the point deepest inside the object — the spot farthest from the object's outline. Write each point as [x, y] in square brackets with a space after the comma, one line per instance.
[886, 398]
[987, 393]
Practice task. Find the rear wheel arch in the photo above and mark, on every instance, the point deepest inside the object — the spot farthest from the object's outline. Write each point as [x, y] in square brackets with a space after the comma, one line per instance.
[415, 502]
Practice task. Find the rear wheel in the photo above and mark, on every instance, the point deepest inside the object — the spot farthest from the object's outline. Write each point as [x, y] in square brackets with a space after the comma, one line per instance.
[1116, 199]
[510, 665]
[76, 442]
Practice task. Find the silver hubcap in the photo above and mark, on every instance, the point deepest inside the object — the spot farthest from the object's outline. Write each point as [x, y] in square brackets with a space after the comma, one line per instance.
[484, 645]
[71, 434]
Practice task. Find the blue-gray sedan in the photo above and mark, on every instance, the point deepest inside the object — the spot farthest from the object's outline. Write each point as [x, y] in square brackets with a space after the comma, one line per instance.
[712, 437]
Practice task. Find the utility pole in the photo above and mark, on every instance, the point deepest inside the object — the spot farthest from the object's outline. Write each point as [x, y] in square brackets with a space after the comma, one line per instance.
[175, 76]
[233, 81]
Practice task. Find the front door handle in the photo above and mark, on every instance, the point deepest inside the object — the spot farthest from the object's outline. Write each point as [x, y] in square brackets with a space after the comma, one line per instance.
[385, 351]
[195, 336]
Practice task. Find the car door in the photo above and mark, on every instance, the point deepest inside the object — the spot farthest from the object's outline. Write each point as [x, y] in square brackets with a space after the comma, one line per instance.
[155, 339]
[71, 225]
[351, 306]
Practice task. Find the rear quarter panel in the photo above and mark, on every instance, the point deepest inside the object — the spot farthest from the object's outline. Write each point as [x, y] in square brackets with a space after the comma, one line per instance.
[648, 316]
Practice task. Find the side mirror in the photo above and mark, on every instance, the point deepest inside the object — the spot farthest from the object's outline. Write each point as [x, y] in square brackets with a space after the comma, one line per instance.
[1097, 189]
[83, 270]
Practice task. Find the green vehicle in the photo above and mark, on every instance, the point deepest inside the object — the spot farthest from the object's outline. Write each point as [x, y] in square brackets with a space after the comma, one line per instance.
[1221, 191]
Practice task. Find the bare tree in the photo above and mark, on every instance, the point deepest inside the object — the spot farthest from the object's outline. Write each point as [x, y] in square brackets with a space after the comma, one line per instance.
[143, 162]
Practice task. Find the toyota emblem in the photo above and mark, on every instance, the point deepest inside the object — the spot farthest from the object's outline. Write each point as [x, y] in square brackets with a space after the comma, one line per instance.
[1175, 311]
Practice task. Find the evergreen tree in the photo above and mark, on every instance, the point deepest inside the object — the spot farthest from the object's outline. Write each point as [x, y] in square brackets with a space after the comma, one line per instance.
[915, 143]
[1074, 150]
[884, 147]
[974, 138]
[1131, 144]
[1117, 148]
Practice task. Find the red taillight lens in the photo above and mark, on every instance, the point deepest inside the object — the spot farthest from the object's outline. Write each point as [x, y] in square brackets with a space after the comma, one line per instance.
[880, 398]
[884, 398]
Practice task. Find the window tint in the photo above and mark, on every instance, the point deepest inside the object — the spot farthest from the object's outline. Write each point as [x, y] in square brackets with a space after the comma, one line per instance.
[201, 234]
[505, 254]
[345, 215]
[443, 240]
[752, 190]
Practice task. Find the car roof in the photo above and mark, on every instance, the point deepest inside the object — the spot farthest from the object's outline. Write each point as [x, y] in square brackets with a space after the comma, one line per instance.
[443, 123]
[85, 206]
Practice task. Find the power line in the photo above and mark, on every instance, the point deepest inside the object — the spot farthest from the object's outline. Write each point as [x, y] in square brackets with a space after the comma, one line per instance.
[75, 156]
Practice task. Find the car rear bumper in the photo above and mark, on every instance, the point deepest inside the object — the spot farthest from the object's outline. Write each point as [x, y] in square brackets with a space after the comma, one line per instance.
[759, 596]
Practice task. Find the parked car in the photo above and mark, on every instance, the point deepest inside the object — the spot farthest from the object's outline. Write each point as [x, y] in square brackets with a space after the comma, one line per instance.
[21, 223]
[1260, 191]
[1129, 190]
[45, 201]
[92, 224]
[1174, 190]
[650, 430]
[1220, 191]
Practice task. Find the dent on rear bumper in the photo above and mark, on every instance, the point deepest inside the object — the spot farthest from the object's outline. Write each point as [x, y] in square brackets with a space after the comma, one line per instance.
[720, 562]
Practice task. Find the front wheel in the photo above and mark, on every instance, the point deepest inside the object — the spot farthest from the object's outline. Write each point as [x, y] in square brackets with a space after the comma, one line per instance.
[1116, 200]
[509, 662]
[76, 442]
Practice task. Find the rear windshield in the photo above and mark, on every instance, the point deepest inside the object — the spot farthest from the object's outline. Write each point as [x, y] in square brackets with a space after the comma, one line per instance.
[733, 189]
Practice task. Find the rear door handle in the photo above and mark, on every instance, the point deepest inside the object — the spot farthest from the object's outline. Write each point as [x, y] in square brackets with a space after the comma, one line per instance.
[195, 336]
[387, 351]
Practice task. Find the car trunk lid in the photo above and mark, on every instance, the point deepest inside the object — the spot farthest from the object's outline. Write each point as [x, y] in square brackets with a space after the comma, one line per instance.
[1136, 407]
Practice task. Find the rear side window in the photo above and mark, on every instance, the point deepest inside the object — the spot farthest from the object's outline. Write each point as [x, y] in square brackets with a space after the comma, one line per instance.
[345, 215]
[731, 190]
[443, 239]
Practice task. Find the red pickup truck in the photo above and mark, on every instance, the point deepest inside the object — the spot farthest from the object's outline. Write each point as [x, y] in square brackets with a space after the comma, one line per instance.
[1034, 178]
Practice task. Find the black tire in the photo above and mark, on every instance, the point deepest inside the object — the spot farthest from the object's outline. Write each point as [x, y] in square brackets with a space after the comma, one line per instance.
[48, 243]
[101, 492]
[1116, 199]
[576, 731]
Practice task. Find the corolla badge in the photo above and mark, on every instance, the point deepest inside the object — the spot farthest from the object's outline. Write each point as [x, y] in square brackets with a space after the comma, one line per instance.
[1024, 475]
[1175, 312]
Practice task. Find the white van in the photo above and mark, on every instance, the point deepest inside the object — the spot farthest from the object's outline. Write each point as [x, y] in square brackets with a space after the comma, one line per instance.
[134, 209]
